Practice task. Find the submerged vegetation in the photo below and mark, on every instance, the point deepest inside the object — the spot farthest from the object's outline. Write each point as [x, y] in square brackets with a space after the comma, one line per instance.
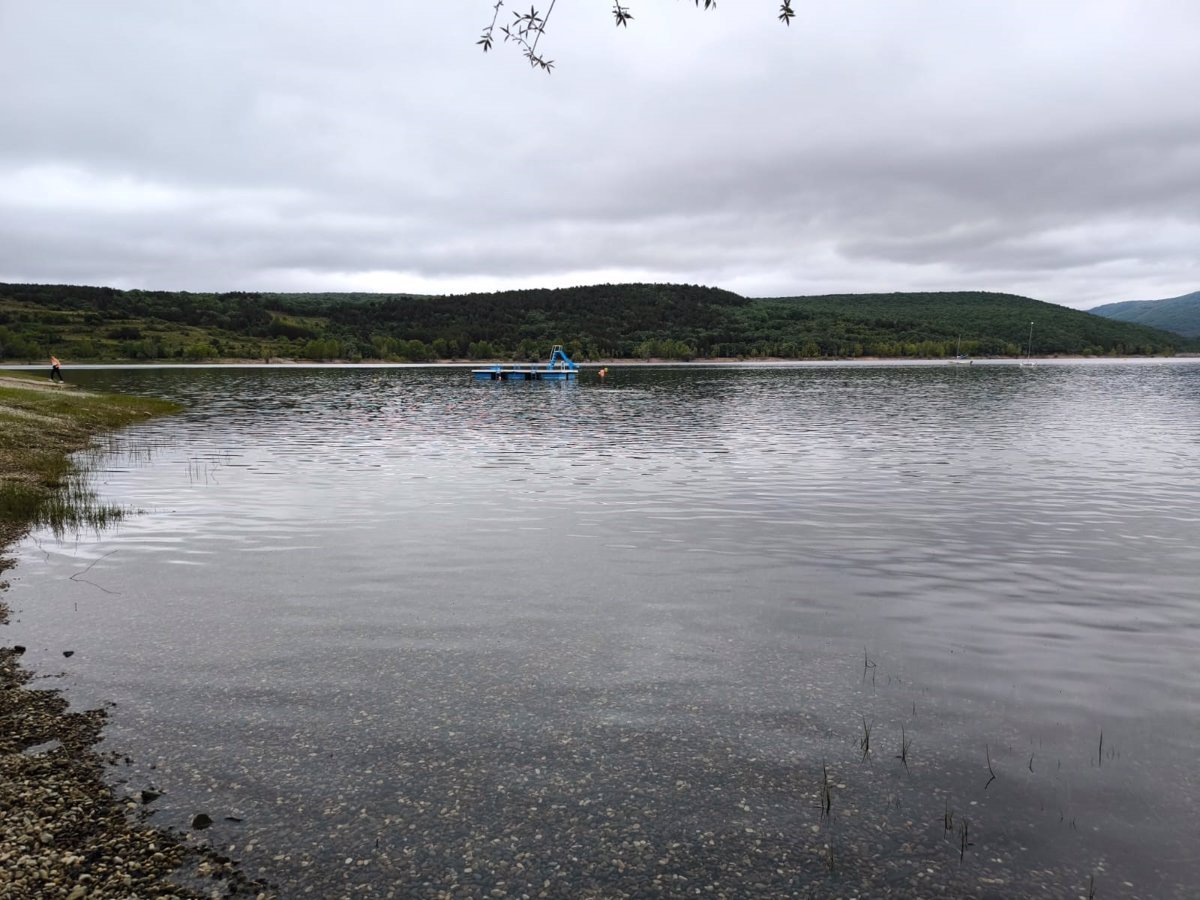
[622, 321]
[40, 425]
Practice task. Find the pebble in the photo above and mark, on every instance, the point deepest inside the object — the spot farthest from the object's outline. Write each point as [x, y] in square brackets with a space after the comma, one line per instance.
[63, 832]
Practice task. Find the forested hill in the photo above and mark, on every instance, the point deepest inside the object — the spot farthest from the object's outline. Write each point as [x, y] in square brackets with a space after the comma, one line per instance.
[623, 321]
[1178, 314]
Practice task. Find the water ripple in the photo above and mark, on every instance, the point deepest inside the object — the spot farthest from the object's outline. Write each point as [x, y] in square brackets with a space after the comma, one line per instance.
[729, 565]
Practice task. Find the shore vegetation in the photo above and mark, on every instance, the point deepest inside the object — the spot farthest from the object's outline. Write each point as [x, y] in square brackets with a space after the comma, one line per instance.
[598, 322]
[41, 424]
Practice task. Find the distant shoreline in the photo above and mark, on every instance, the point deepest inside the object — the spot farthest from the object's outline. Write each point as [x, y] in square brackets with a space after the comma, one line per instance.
[766, 362]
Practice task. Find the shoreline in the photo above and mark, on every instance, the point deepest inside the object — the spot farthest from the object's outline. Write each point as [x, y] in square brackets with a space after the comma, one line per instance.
[64, 831]
[710, 362]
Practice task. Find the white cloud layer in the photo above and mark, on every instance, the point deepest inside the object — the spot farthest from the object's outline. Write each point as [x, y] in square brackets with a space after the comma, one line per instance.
[1048, 148]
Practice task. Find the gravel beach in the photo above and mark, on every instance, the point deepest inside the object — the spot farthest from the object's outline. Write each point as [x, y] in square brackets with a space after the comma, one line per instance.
[64, 832]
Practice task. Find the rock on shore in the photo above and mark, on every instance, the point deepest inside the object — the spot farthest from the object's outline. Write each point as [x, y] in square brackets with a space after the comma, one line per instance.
[64, 833]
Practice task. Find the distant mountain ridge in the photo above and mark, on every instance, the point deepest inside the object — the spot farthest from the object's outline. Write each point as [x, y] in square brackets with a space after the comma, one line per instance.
[1180, 315]
[593, 322]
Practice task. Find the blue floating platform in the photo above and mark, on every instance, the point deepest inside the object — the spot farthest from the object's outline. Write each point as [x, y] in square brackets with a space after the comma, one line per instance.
[559, 368]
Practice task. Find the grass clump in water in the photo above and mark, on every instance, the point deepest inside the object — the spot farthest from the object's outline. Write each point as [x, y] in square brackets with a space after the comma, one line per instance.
[41, 425]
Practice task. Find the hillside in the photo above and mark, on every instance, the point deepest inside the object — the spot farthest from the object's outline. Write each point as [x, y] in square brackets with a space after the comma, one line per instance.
[625, 321]
[989, 325]
[1180, 315]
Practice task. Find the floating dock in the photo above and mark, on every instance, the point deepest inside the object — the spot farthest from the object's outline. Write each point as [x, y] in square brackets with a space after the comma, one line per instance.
[559, 368]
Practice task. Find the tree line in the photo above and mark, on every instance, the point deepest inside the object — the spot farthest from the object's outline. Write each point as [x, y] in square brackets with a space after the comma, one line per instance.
[609, 321]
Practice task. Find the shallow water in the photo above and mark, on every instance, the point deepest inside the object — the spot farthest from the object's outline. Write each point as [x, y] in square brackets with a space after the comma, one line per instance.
[419, 634]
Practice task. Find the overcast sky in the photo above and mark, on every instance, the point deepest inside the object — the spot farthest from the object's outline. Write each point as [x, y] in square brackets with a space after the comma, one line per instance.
[1049, 148]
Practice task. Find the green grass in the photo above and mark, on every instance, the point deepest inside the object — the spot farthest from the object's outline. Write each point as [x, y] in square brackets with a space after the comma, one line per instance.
[41, 483]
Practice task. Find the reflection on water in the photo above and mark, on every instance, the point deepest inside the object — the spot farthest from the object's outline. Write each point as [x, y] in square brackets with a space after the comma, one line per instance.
[427, 635]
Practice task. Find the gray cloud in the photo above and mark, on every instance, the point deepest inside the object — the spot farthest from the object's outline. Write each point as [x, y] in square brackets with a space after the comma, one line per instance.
[1031, 147]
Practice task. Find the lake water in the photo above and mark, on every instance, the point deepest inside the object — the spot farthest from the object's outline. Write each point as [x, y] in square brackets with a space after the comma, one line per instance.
[871, 630]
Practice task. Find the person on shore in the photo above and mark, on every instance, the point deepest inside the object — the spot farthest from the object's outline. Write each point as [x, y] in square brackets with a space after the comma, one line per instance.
[55, 369]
